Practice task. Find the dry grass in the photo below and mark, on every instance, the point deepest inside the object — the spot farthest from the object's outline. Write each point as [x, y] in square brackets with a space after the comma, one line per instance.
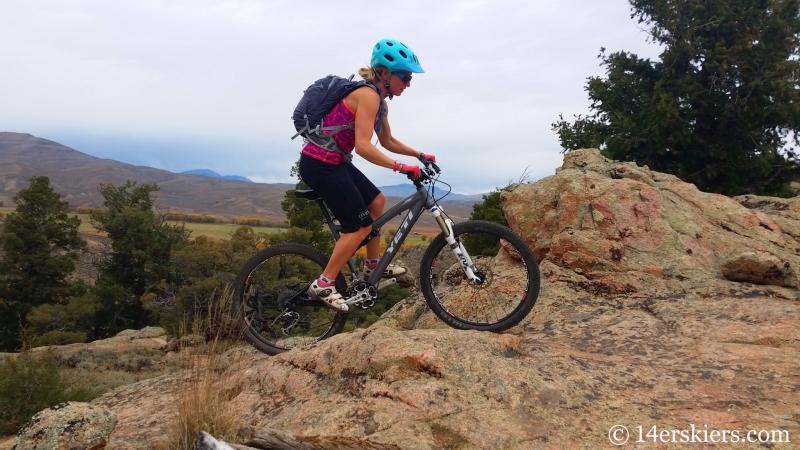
[205, 388]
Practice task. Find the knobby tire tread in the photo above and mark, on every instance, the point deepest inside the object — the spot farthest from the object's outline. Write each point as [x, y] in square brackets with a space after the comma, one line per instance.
[438, 245]
[284, 248]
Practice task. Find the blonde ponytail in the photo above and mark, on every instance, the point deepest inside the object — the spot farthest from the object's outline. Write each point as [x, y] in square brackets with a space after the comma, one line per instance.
[368, 74]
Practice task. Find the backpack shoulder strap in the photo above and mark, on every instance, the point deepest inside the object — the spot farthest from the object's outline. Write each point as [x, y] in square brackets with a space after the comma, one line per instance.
[379, 122]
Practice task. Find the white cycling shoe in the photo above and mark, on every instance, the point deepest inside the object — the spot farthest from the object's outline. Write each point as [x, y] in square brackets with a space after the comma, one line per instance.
[329, 296]
[392, 271]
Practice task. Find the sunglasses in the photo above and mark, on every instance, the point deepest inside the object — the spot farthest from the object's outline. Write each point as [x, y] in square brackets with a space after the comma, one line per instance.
[403, 77]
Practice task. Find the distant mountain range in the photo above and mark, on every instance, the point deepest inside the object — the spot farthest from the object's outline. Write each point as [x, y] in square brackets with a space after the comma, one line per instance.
[77, 176]
[404, 190]
[397, 190]
[212, 174]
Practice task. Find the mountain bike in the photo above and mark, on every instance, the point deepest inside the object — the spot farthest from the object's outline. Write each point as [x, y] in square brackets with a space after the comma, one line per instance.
[474, 275]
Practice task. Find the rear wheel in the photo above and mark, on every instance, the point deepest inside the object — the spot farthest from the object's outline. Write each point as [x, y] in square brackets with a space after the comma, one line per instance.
[271, 303]
[508, 273]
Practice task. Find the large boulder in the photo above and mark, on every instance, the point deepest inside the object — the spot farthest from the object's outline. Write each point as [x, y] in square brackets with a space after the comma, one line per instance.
[67, 426]
[621, 229]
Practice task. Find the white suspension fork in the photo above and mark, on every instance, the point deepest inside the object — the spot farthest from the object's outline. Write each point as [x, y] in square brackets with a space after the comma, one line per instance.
[456, 246]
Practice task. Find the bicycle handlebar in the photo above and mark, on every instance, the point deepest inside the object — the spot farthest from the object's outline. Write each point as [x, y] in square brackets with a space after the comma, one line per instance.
[426, 173]
[431, 169]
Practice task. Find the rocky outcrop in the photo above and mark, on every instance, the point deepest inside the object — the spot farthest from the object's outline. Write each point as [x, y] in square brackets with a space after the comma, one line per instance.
[67, 426]
[636, 325]
[784, 212]
[620, 229]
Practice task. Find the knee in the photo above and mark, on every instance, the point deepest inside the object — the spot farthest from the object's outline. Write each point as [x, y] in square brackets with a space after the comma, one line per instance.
[378, 203]
[364, 231]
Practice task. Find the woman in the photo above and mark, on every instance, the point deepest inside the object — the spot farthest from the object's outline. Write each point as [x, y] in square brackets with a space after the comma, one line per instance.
[353, 199]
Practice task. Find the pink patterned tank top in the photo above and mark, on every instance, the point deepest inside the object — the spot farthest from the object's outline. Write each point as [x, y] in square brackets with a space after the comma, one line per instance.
[346, 139]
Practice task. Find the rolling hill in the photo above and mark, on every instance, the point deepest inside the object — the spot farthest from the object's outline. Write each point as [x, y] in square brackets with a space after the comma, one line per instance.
[76, 176]
[211, 173]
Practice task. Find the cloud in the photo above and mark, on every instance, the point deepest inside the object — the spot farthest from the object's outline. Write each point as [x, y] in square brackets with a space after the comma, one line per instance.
[198, 84]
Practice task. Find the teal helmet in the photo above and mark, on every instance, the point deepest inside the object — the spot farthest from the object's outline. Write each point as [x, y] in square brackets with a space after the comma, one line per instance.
[395, 56]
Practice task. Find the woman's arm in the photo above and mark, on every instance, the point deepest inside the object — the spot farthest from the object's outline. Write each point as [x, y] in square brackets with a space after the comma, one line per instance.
[366, 103]
[390, 143]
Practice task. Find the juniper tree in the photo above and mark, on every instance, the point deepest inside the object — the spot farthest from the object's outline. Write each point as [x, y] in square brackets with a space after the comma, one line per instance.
[720, 107]
[305, 214]
[40, 242]
[141, 246]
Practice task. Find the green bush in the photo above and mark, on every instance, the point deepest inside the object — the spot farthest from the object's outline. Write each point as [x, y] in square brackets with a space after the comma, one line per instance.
[57, 337]
[30, 382]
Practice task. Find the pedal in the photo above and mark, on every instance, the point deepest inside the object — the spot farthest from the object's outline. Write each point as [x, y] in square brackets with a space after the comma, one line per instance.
[387, 282]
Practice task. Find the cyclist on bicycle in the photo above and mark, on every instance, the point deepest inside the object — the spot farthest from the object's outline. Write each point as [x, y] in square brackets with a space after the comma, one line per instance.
[354, 200]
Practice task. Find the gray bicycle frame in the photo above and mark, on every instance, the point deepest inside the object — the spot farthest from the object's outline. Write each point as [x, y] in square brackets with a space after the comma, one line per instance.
[414, 204]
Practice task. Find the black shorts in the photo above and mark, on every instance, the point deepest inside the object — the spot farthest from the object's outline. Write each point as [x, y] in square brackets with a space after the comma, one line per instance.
[345, 190]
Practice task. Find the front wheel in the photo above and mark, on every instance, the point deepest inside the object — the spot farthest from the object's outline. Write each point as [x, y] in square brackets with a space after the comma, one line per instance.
[507, 272]
[270, 299]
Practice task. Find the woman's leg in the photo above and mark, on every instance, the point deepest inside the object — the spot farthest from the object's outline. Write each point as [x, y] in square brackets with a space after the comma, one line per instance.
[375, 210]
[345, 247]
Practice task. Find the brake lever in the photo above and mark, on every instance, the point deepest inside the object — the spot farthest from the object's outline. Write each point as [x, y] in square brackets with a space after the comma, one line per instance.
[435, 170]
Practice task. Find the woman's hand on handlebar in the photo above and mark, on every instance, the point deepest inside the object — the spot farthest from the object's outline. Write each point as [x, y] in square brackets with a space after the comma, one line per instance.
[412, 172]
[426, 158]
[430, 163]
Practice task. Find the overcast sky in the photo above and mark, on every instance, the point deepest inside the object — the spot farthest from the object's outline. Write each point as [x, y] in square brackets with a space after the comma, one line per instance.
[181, 85]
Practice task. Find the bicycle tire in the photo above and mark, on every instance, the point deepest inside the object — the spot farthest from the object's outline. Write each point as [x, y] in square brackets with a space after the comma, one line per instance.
[451, 296]
[269, 303]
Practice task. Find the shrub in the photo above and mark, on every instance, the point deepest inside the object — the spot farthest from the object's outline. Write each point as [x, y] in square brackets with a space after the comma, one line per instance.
[30, 382]
[249, 221]
[57, 337]
[195, 218]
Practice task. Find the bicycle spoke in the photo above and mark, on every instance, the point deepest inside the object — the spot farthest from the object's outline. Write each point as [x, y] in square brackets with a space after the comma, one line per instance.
[502, 296]
[275, 309]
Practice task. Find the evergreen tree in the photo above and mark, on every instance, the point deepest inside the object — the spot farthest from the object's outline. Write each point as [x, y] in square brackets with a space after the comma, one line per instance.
[721, 106]
[40, 243]
[489, 209]
[305, 214]
[141, 245]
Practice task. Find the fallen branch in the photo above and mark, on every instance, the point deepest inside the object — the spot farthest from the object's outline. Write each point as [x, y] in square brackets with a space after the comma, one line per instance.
[267, 439]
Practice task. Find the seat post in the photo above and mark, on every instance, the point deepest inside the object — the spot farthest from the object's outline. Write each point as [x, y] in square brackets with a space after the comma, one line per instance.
[326, 214]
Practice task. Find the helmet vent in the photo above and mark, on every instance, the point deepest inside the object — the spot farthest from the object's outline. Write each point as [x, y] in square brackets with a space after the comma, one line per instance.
[403, 54]
[390, 44]
[389, 57]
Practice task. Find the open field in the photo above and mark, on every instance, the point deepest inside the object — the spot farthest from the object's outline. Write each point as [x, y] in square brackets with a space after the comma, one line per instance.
[225, 230]
[221, 230]
[215, 230]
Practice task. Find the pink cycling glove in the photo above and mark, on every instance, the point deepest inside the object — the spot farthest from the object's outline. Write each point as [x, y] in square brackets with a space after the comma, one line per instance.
[426, 158]
[412, 172]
